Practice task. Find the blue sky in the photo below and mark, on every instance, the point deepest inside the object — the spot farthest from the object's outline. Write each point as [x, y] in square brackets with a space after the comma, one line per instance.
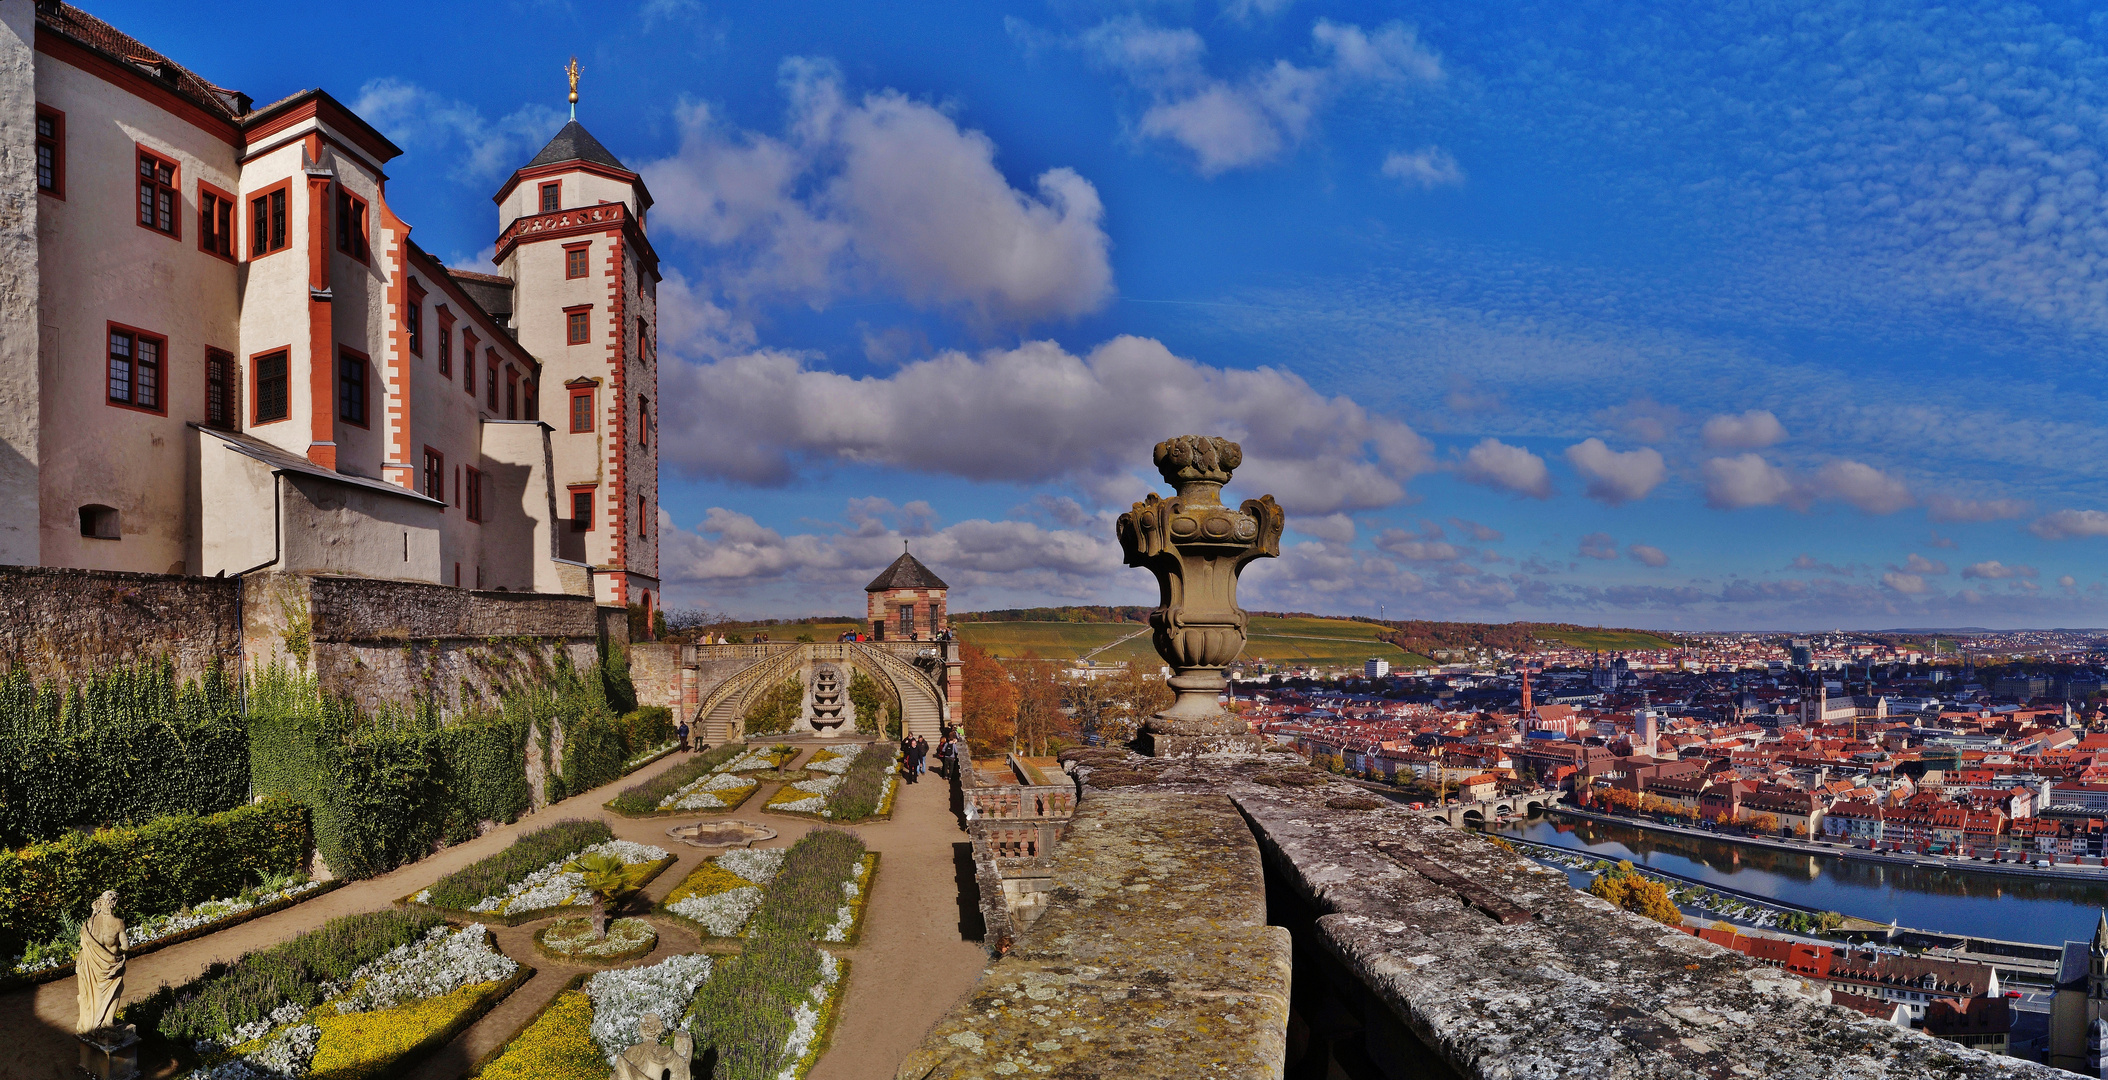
[1762, 316]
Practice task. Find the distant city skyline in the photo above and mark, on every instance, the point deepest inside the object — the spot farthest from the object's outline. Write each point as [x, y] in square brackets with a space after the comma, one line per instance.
[1627, 314]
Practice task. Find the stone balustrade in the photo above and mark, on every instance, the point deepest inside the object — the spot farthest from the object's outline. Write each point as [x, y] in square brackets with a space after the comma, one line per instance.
[1252, 917]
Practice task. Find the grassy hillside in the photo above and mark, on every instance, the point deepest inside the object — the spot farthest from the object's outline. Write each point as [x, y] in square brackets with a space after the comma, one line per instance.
[1607, 640]
[1283, 641]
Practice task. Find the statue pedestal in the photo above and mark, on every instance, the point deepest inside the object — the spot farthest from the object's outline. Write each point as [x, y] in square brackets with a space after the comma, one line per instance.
[116, 1059]
[1164, 736]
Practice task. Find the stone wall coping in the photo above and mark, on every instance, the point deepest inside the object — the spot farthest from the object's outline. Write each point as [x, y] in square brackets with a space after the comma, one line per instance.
[1569, 986]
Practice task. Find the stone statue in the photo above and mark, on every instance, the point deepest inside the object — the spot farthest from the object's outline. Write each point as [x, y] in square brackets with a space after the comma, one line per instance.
[1196, 547]
[652, 1059]
[100, 969]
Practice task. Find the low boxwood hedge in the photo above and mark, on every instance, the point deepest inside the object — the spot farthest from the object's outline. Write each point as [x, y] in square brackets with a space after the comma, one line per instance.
[155, 868]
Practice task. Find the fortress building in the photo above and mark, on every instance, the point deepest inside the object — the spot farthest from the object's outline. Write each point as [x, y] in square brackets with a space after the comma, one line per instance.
[905, 602]
[224, 351]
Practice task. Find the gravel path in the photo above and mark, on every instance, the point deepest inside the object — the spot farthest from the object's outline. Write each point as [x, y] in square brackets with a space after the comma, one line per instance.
[919, 952]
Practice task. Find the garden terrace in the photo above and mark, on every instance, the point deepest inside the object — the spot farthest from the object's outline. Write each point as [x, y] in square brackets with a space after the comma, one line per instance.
[1253, 918]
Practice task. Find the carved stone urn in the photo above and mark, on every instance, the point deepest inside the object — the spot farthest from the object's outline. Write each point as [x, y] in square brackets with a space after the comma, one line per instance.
[1196, 547]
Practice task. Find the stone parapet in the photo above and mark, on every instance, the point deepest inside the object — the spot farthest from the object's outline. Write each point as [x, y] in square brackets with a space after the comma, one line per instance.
[1418, 950]
[1155, 960]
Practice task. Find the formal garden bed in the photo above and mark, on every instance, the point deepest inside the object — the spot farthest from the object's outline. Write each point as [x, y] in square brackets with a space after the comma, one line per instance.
[529, 881]
[764, 1014]
[714, 782]
[820, 886]
[573, 941]
[359, 997]
[857, 785]
[54, 959]
[578, 1035]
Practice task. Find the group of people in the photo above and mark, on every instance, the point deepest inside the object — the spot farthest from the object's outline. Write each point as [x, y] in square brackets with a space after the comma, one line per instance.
[915, 756]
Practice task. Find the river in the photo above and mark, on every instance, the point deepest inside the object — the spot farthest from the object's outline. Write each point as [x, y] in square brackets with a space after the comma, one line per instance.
[1944, 901]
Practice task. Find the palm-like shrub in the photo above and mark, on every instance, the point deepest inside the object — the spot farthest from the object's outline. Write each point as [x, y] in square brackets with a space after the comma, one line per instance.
[610, 880]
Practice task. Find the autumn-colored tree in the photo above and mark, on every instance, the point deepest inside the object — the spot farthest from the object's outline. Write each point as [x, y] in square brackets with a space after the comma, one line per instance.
[1040, 718]
[1114, 708]
[1761, 823]
[991, 702]
[1622, 886]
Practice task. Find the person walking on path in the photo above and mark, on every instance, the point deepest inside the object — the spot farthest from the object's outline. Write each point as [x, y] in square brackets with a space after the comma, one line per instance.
[947, 757]
[922, 755]
[682, 732]
[907, 757]
[917, 752]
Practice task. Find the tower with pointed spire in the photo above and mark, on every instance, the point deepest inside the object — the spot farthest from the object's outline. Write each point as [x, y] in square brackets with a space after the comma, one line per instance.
[583, 298]
[905, 602]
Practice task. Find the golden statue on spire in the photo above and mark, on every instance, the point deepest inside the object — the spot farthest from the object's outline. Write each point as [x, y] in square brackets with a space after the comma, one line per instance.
[571, 69]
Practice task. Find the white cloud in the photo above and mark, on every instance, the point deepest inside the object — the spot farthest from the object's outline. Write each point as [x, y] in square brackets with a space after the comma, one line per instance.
[1495, 464]
[1413, 548]
[1950, 508]
[1746, 480]
[2068, 581]
[1647, 555]
[690, 324]
[480, 149]
[1907, 584]
[886, 193]
[1233, 124]
[1753, 430]
[1919, 564]
[2071, 524]
[1427, 167]
[1035, 414]
[1484, 534]
[1248, 10]
[1993, 570]
[1615, 477]
[1864, 486]
[1334, 528]
[1599, 546]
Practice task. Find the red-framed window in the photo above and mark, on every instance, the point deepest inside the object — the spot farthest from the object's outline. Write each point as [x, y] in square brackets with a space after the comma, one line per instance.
[51, 152]
[581, 408]
[216, 222]
[643, 515]
[644, 351]
[446, 344]
[435, 474]
[351, 225]
[490, 385]
[414, 318]
[576, 258]
[577, 328]
[512, 394]
[138, 369]
[530, 402]
[354, 379]
[582, 509]
[475, 501]
[160, 196]
[272, 385]
[643, 420]
[468, 363]
[268, 220]
[552, 196]
[222, 398]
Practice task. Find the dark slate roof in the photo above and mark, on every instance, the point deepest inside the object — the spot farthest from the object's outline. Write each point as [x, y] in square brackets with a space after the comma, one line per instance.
[575, 143]
[905, 573]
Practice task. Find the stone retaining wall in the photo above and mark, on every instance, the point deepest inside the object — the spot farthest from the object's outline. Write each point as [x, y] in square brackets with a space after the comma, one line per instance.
[59, 624]
[1416, 950]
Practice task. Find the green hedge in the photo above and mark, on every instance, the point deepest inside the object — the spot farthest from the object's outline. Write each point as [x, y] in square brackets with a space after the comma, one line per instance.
[156, 868]
[877, 710]
[128, 745]
[387, 785]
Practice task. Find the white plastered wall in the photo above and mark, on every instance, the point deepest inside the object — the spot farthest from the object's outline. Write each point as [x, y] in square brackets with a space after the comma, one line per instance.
[274, 310]
[333, 528]
[21, 345]
[97, 266]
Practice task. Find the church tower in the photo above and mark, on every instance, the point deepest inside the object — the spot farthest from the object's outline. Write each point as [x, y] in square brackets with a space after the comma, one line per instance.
[584, 301]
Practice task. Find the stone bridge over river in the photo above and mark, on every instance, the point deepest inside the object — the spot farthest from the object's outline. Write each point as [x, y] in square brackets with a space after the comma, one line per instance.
[1485, 810]
[714, 687]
